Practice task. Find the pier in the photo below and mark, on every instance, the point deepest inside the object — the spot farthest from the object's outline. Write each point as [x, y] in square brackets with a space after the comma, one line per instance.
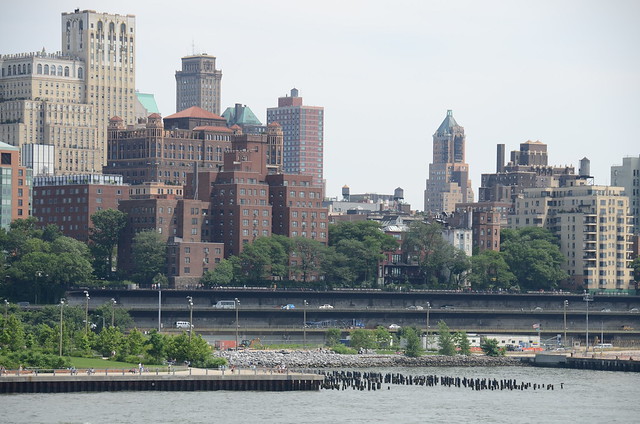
[593, 363]
[193, 379]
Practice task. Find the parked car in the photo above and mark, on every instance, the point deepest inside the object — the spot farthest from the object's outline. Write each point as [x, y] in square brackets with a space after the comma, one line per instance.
[394, 327]
[326, 306]
[415, 308]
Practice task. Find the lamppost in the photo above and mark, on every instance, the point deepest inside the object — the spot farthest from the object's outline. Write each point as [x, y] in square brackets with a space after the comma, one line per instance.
[428, 326]
[61, 323]
[86, 314]
[565, 305]
[304, 323]
[159, 308]
[237, 307]
[588, 297]
[190, 300]
[113, 312]
[6, 313]
[38, 275]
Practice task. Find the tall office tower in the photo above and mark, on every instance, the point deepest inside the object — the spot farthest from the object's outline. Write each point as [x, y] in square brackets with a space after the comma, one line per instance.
[594, 230]
[106, 44]
[43, 109]
[448, 181]
[627, 175]
[198, 83]
[303, 130]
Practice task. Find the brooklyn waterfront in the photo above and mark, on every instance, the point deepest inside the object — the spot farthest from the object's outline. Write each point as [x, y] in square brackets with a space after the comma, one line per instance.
[588, 396]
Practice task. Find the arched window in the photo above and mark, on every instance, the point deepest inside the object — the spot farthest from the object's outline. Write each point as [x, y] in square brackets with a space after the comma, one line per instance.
[99, 27]
[66, 71]
[81, 25]
[28, 68]
[39, 68]
[68, 26]
[9, 70]
[112, 28]
[123, 29]
[14, 70]
[60, 70]
[46, 69]
[80, 73]
[53, 69]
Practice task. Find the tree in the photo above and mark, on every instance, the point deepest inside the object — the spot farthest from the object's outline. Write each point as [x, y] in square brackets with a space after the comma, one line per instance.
[490, 347]
[383, 337]
[446, 340]
[221, 275]
[413, 348]
[490, 271]
[111, 340]
[107, 228]
[363, 339]
[157, 346]
[332, 336]
[457, 265]
[636, 269]
[425, 246]
[463, 343]
[337, 268]
[363, 243]
[149, 253]
[309, 256]
[533, 256]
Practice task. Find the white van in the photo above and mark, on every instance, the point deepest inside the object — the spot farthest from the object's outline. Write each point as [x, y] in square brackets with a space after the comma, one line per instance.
[603, 346]
[225, 304]
[183, 324]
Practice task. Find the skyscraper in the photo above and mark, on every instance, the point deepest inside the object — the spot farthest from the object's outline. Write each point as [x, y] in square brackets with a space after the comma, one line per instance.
[106, 44]
[448, 181]
[198, 83]
[65, 99]
[303, 130]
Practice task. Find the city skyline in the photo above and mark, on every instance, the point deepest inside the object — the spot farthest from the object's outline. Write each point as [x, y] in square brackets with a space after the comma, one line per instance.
[386, 73]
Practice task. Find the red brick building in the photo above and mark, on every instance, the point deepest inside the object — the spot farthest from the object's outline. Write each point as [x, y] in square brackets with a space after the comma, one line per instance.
[68, 201]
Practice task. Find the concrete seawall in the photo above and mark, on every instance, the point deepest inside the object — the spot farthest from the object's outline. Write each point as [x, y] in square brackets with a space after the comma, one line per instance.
[192, 380]
[602, 364]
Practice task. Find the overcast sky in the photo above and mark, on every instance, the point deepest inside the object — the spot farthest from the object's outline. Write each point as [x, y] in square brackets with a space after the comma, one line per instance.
[566, 73]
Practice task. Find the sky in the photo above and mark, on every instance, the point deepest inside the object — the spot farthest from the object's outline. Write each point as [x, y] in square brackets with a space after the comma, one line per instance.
[566, 73]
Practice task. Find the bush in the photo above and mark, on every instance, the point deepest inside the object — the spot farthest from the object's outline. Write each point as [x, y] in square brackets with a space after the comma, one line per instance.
[343, 350]
[33, 359]
[490, 348]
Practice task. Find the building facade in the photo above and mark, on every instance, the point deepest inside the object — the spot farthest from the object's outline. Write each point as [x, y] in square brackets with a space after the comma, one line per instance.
[593, 226]
[303, 130]
[198, 83]
[448, 181]
[627, 175]
[68, 201]
[16, 186]
[65, 99]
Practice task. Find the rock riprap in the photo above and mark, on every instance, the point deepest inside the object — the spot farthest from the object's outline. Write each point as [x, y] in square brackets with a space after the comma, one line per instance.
[329, 359]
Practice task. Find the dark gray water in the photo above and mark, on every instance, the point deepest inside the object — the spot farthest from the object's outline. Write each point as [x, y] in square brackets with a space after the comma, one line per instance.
[588, 397]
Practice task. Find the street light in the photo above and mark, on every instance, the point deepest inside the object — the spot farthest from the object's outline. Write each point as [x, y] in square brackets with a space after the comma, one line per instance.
[565, 304]
[190, 300]
[588, 297]
[113, 312]
[61, 323]
[237, 307]
[304, 323]
[159, 308]
[86, 314]
[428, 326]
[6, 313]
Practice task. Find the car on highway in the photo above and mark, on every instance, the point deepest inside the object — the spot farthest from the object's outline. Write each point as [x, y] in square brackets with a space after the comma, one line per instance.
[394, 327]
[288, 306]
[605, 310]
[415, 308]
[537, 309]
[636, 310]
[447, 307]
[325, 306]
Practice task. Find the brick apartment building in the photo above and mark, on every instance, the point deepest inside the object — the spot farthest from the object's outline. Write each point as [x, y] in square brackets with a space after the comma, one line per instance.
[68, 201]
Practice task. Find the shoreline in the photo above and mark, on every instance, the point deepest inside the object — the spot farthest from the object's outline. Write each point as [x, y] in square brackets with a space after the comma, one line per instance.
[328, 359]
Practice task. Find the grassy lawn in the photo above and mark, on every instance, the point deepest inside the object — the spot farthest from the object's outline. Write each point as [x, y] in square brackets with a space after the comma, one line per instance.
[82, 363]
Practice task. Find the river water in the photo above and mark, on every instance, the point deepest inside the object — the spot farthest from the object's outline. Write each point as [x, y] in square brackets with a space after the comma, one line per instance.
[587, 397]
